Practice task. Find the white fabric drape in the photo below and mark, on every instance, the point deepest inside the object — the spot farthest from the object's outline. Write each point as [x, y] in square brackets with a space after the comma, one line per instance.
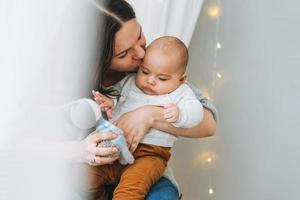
[167, 17]
[47, 53]
[48, 50]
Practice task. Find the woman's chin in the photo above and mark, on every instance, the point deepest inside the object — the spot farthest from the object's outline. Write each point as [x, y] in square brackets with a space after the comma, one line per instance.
[134, 69]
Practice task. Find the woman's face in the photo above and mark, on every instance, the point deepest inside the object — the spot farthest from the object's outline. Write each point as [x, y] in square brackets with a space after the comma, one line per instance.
[129, 49]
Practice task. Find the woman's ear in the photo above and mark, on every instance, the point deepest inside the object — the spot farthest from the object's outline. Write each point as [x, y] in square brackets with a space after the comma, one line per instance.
[183, 77]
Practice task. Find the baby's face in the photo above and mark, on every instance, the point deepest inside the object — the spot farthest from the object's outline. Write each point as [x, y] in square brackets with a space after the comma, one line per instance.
[159, 74]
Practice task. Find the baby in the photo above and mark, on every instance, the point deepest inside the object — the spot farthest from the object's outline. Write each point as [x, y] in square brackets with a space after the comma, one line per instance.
[160, 81]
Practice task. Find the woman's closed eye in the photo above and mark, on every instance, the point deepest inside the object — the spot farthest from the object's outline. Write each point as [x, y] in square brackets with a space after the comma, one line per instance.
[123, 55]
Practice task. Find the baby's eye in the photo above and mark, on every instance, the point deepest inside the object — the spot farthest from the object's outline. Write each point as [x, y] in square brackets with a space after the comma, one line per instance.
[162, 79]
[145, 72]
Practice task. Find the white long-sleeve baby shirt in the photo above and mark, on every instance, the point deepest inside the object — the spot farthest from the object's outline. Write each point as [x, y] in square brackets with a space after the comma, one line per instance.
[131, 97]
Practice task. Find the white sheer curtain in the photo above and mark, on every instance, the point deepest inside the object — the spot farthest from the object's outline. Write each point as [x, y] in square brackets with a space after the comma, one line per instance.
[167, 17]
[47, 53]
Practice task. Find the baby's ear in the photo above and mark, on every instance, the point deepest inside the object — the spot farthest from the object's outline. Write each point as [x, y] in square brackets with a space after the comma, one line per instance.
[183, 77]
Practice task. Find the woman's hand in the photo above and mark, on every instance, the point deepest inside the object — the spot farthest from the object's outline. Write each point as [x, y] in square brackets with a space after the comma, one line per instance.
[94, 155]
[135, 125]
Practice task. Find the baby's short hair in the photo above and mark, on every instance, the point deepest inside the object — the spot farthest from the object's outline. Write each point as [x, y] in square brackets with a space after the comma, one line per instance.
[172, 46]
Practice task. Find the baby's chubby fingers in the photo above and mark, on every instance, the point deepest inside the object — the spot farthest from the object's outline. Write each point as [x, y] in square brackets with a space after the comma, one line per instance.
[168, 109]
[170, 112]
[96, 93]
[105, 105]
[168, 105]
[170, 120]
[168, 115]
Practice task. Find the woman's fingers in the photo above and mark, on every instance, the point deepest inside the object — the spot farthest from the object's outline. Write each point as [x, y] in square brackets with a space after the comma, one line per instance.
[95, 155]
[129, 139]
[137, 138]
[133, 145]
[96, 160]
[103, 151]
[105, 160]
[98, 137]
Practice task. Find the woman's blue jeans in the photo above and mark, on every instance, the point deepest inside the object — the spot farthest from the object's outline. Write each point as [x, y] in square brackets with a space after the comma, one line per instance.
[163, 190]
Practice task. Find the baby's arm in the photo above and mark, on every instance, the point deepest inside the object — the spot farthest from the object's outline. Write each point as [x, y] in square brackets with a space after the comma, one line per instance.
[104, 102]
[190, 109]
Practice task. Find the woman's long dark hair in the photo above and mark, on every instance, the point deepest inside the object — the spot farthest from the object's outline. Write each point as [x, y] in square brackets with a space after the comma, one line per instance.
[120, 12]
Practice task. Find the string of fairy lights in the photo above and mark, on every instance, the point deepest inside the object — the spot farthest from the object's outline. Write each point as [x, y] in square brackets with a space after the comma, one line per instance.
[214, 12]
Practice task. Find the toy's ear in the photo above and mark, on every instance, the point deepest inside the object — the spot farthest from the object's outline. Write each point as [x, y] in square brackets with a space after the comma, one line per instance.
[84, 113]
[95, 107]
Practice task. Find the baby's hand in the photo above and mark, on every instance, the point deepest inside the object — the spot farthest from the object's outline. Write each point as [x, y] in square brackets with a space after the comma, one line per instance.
[171, 112]
[104, 102]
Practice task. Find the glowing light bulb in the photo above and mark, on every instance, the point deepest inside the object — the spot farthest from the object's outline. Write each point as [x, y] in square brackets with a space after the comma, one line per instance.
[213, 11]
[219, 46]
[219, 75]
[209, 160]
[210, 191]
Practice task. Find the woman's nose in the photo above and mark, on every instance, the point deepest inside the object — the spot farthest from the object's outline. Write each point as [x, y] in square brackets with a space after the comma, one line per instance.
[139, 52]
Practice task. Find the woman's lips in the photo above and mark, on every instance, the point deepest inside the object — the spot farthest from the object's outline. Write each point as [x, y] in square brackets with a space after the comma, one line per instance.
[137, 62]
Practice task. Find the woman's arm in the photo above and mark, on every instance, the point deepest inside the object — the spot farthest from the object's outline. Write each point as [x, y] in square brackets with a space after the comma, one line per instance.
[136, 124]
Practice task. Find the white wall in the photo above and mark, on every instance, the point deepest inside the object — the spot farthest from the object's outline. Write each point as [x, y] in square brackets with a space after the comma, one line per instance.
[256, 148]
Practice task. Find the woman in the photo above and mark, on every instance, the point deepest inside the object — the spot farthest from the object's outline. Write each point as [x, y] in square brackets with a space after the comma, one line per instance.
[123, 48]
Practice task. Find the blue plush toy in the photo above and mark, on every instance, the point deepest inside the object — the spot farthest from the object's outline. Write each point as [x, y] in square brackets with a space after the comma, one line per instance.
[86, 113]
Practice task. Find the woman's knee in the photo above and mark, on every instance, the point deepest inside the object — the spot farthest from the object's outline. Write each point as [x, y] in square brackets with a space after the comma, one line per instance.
[163, 190]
